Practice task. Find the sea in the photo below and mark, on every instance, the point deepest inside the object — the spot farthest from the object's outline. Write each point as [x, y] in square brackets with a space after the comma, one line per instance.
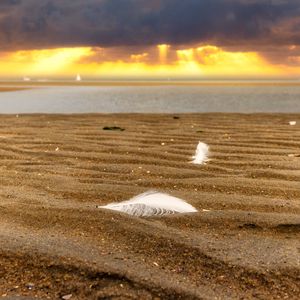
[153, 99]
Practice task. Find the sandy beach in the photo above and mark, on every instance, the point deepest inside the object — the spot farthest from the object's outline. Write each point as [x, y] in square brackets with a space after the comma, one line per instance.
[243, 243]
[12, 88]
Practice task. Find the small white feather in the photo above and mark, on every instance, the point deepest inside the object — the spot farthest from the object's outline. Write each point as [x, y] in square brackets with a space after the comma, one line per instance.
[152, 203]
[201, 155]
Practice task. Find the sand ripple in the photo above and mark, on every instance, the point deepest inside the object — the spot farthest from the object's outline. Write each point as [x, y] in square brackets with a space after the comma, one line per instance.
[242, 243]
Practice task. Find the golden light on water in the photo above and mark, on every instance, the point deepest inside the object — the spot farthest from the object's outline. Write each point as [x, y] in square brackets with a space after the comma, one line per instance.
[163, 61]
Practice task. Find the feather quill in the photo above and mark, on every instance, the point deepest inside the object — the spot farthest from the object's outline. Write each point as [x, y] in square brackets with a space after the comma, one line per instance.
[201, 155]
[152, 203]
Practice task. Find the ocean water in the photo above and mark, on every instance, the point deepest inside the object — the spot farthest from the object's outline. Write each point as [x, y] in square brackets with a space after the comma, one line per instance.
[157, 99]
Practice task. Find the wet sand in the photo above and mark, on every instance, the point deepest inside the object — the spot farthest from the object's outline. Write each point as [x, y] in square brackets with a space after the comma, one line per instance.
[12, 89]
[244, 243]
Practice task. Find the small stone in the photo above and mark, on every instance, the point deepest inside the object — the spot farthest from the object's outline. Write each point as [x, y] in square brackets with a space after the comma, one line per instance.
[292, 123]
[116, 128]
[67, 297]
[30, 286]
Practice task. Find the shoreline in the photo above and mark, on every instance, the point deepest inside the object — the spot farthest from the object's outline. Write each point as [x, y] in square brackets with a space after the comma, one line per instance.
[232, 83]
[12, 89]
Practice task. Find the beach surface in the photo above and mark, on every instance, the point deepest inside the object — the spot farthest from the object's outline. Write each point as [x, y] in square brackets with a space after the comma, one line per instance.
[11, 89]
[243, 243]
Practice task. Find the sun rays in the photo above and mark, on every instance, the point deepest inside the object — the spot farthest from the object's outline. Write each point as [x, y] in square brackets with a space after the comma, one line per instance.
[162, 62]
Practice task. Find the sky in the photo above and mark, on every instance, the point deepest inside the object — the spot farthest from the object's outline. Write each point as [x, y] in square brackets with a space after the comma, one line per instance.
[140, 39]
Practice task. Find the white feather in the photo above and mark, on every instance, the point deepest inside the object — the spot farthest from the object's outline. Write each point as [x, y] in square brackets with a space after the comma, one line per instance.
[201, 155]
[151, 203]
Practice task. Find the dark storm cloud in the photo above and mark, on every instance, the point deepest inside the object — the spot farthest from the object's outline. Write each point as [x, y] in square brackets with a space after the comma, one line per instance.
[26, 24]
[4, 3]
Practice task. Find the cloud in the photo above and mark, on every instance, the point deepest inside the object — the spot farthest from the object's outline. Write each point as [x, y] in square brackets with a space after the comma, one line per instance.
[6, 3]
[32, 24]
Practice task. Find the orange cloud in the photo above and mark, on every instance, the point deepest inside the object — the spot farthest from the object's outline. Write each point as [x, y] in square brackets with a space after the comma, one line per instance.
[139, 57]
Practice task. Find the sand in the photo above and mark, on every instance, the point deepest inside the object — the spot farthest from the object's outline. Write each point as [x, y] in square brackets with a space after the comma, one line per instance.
[11, 89]
[244, 243]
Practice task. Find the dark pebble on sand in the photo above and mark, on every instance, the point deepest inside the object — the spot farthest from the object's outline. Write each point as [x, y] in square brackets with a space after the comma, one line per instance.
[250, 226]
[113, 128]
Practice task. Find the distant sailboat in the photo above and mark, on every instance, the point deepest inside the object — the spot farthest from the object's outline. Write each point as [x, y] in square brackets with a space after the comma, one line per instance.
[78, 77]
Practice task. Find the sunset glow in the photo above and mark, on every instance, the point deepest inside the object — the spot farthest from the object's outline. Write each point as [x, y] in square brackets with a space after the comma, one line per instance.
[163, 62]
[163, 53]
[191, 39]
